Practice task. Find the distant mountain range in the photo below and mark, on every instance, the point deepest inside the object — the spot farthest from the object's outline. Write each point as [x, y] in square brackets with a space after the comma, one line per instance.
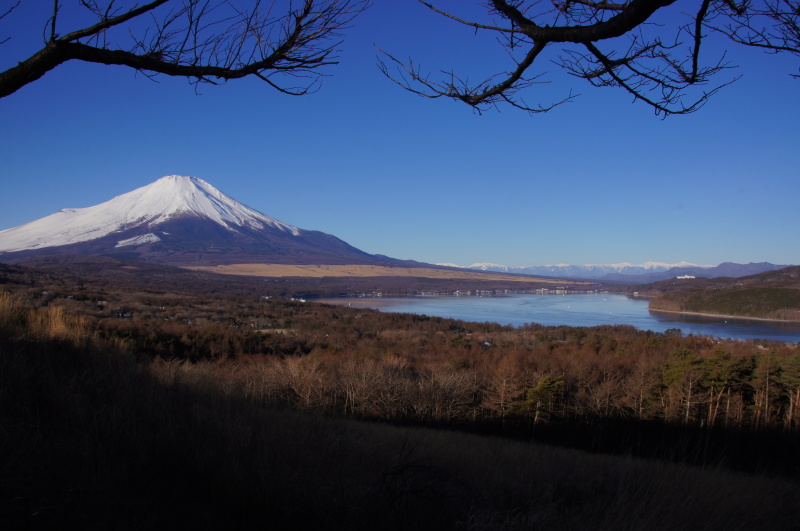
[630, 273]
[181, 221]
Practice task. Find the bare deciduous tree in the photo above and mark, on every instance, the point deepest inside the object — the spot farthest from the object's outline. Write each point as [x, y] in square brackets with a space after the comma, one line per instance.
[208, 41]
[649, 48]
[773, 25]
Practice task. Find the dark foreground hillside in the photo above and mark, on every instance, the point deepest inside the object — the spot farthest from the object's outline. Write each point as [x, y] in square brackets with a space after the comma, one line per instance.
[94, 440]
[168, 409]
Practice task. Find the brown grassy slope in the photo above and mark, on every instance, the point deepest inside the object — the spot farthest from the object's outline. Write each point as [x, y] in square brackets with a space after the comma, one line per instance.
[357, 271]
[143, 276]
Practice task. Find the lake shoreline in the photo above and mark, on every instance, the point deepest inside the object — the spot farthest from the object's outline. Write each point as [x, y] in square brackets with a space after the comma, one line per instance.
[360, 302]
[579, 310]
[723, 316]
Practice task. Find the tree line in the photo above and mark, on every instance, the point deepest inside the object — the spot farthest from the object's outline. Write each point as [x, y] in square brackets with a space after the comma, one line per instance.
[386, 366]
[780, 303]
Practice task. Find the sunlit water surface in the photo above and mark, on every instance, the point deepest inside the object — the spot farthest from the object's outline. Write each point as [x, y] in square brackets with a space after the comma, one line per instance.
[582, 310]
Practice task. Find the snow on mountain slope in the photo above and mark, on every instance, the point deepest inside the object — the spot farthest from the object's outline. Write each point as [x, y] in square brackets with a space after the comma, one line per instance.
[582, 271]
[165, 199]
[632, 273]
[488, 267]
[138, 240]
[647, 266]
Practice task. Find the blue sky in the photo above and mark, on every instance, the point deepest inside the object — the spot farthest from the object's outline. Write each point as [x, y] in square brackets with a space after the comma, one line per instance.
[597, 180]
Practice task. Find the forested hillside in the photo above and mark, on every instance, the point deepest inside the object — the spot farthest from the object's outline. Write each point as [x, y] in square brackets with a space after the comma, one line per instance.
[771, 295]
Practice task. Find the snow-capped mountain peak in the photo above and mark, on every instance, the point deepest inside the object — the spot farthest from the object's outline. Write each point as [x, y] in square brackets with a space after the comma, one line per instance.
[628, 272]
[169, 197]
[593, 271]
[180, 221]
[176, 194]
[484, 266]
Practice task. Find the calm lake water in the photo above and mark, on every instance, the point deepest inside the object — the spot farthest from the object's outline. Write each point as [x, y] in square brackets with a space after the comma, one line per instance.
[581, 310]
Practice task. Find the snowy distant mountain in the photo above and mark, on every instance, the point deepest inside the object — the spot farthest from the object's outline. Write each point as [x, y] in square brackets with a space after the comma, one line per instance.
[179, 220]
[487, 267]
[593, 271]
[632, 273]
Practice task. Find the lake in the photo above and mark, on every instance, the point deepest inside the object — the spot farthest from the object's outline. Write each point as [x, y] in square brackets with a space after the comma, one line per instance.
[579, 310]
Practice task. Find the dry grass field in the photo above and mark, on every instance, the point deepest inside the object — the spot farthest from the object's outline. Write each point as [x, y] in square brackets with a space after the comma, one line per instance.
[356, 271]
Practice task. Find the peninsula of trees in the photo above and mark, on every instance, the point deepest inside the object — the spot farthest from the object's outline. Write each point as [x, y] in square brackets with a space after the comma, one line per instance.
[773, 295]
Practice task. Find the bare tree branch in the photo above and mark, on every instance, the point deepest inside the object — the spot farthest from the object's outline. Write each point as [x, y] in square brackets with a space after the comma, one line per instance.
[5, 14]
[480, 96]
[773, 25]
[671, 78]
[207, 41]
[106, 21]
[569, 4]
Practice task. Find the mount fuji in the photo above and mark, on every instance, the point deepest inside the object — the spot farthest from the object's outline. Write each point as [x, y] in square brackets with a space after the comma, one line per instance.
[180, 221]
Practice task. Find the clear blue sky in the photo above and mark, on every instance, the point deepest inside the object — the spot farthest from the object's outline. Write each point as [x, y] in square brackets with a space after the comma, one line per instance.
[598, 180]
